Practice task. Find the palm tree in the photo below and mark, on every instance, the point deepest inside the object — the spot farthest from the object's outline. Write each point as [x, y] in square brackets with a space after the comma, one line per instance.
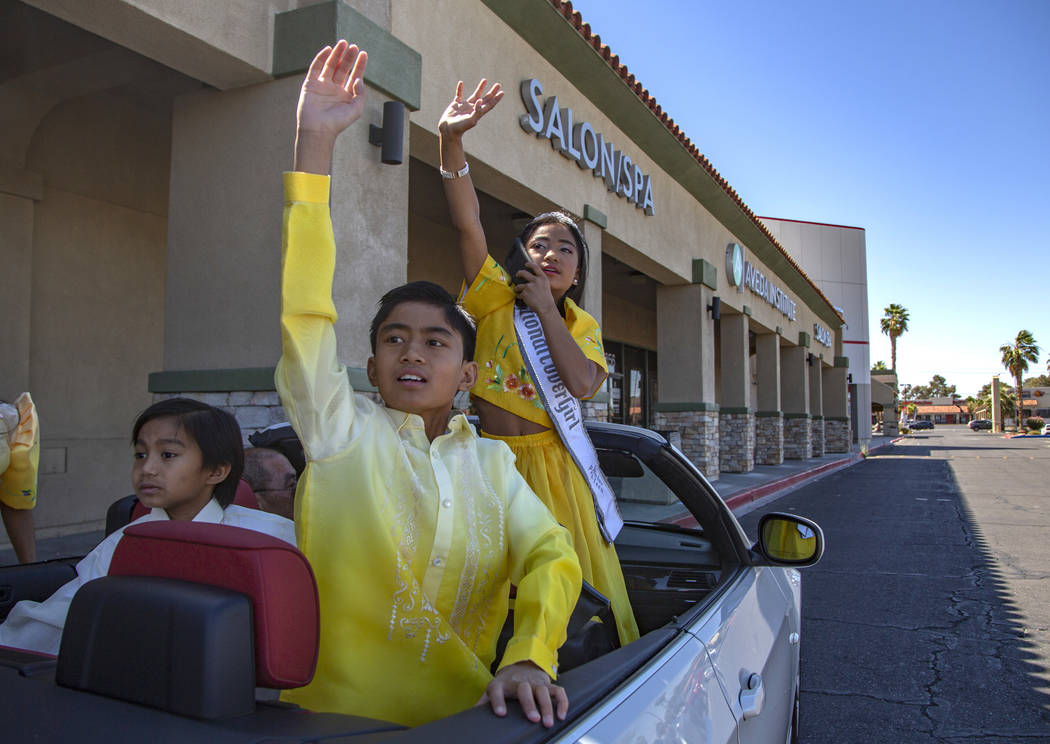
[983, 401]
[1007, 403]
[893, 324]
[1016, 357]
[880, 366]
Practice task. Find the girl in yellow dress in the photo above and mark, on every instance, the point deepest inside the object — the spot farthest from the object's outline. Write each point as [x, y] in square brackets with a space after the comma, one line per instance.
[505, 396]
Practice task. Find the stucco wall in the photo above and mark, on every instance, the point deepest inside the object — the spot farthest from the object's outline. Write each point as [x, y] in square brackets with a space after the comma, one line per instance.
[224, 233]
[628, 322]
[226, 44]
[16, 292]
[97, 296]
[670, 239]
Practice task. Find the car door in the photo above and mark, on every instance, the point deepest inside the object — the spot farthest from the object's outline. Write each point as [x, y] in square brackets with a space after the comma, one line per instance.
[753, 644]
[675, 699]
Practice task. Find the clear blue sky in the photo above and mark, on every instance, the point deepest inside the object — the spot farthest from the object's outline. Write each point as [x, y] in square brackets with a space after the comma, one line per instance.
[925, 122]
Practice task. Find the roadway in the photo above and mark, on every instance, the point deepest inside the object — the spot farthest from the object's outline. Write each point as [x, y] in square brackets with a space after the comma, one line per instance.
[928, 619]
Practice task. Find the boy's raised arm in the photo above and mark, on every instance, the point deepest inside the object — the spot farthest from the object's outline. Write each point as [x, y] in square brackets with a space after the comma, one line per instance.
[461, 116]
[331, 99]
[313, 386]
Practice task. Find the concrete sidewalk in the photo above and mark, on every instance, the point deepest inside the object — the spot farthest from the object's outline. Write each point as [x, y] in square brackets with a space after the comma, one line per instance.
[743, 492]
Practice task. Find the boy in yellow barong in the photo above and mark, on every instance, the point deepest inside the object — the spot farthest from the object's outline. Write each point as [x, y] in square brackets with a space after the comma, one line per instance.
[414, 526]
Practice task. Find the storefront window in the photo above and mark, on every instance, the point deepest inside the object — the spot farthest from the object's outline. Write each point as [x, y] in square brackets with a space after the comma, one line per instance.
[631, 384]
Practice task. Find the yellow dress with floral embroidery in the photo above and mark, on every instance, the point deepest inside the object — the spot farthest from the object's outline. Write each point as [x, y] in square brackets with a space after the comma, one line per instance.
[542, 458]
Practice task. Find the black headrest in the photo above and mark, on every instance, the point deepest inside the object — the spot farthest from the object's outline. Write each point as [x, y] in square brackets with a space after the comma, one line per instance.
[183, 647]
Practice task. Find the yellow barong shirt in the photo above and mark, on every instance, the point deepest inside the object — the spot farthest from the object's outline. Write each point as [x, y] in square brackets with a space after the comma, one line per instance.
[414, 543]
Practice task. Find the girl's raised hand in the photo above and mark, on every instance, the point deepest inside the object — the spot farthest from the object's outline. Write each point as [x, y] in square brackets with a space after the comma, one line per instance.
[462, 115]
[333, 93]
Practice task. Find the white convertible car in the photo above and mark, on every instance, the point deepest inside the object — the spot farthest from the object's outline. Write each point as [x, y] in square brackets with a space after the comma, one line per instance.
[718, 660]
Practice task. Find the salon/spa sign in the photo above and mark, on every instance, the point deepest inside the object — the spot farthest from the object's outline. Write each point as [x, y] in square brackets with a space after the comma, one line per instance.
[580, 143]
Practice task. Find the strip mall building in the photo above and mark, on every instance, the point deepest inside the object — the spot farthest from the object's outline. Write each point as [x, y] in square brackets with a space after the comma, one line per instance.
[140, 208]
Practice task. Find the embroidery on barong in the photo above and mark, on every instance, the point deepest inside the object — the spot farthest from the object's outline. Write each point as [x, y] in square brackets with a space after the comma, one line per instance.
[411, 613]
[479, 523]
[484, 514]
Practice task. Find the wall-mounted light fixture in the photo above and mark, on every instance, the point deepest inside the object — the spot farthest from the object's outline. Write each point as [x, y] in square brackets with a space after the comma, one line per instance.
[809, 359]
[849, 378]
[390, 136]
[715, 308]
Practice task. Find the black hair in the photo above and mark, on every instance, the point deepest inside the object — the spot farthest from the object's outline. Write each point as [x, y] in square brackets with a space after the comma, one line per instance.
[434, 295]
[215, 431]
[575, 292]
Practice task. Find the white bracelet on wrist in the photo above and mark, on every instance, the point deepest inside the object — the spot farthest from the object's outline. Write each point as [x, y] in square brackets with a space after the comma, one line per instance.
[458, 174]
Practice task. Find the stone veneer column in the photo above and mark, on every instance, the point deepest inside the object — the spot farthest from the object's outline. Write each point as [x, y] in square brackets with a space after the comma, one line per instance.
[769, 420]
[816, 406]
[794, 396]
[836, 407]
[699, 433]
[253, 410]
[685, 343]
[736, 424]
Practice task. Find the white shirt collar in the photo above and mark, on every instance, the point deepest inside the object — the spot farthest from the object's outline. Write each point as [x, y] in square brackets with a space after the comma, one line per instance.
[211, 513]
[457, 424]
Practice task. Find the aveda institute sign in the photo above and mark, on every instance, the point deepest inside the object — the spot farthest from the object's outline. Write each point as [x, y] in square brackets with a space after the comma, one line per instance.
[743, 273]
[589, 149]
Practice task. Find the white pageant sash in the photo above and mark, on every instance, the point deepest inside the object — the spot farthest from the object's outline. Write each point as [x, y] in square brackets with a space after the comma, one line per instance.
[567, 414]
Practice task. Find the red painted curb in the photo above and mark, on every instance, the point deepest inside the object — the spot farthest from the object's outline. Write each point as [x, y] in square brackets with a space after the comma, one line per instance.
[754, 494]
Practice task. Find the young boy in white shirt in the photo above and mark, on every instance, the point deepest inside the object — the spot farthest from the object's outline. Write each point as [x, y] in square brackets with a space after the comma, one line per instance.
[188, 460]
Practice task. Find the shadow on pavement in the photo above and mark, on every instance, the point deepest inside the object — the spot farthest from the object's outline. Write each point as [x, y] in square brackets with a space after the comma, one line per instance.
[910, 633]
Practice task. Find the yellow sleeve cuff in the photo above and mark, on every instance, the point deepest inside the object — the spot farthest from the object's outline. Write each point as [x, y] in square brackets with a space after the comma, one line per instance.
[531, 648]
[306, 187]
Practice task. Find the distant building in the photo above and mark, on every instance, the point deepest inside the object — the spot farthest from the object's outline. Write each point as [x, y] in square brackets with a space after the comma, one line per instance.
[941, 410]
[1036, 401]
[835, 257]
[885, 403]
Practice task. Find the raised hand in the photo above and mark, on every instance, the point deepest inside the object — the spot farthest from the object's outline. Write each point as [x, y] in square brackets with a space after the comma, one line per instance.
[462, 115]
[333, 93]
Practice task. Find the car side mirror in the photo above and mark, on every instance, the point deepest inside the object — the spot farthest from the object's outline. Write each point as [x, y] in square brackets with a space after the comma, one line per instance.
[789, 540]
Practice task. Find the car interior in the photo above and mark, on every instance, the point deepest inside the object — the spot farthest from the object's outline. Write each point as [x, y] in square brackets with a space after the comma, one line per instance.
[232, 636]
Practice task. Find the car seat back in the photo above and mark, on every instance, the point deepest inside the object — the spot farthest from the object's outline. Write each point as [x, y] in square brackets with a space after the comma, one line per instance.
[191, 605]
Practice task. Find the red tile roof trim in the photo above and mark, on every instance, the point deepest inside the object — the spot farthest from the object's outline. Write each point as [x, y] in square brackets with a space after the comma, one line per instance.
[809, 222]
[584, 29]
[927, 409]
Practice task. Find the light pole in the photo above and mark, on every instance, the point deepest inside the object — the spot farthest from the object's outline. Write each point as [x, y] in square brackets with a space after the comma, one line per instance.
[997, 412]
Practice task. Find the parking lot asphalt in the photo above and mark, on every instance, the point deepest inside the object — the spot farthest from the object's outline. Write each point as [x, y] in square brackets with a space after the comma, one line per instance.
[928, 619]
